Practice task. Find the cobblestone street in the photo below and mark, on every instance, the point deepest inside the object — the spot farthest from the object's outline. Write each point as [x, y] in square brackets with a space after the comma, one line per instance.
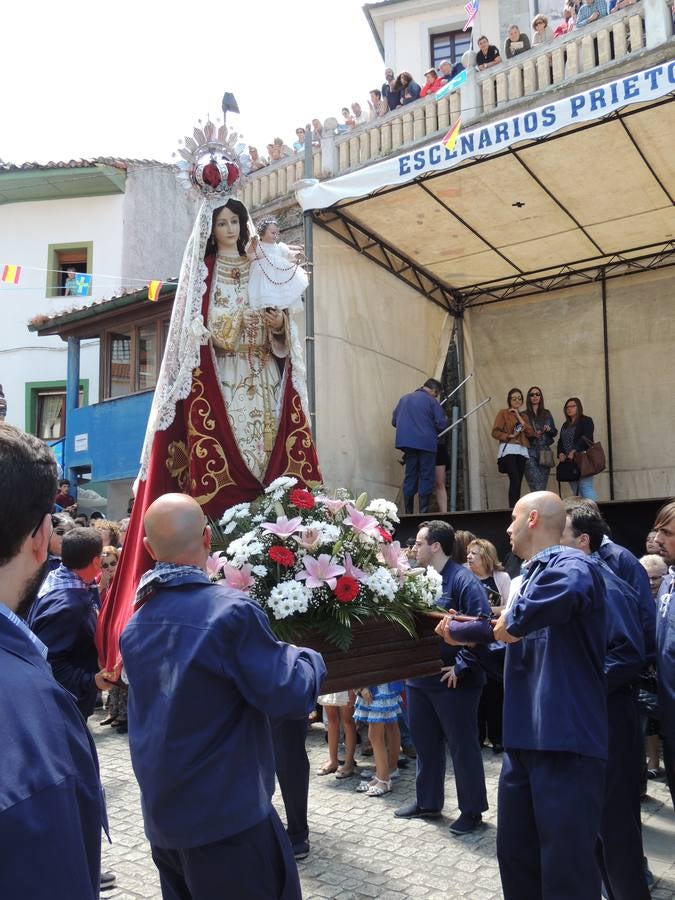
[358, 849]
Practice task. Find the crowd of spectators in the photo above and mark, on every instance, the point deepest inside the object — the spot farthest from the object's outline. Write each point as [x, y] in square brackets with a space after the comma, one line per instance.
[399, 90]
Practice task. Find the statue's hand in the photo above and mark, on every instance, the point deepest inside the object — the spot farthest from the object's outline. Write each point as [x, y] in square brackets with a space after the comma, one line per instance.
[274, 319]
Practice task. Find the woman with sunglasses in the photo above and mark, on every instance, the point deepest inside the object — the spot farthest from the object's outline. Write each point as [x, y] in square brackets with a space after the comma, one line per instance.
[541, 459]
[576, 435]
[513, 431]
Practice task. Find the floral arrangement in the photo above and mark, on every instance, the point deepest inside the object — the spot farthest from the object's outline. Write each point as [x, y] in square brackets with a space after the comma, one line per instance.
[321, 563]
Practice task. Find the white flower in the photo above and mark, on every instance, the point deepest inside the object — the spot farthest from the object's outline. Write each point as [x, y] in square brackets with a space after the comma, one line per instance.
[288, 598]
[229, 528]
[383, 508]
[260, 571]
[329, 533]
[279, 486]
[382, 584]
[243, 548]
[239, 511]
[431, 584]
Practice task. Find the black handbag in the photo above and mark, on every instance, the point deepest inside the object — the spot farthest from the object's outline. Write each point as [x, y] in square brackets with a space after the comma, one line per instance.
[501, 462]
[567, 470]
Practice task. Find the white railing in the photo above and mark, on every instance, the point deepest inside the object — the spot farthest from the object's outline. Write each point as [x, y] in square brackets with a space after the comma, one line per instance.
[608, 41]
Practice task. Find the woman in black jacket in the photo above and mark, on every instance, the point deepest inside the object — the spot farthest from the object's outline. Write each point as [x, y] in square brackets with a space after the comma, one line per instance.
[576, 435]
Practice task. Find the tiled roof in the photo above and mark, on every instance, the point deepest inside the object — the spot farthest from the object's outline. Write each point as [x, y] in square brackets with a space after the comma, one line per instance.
[123, 164]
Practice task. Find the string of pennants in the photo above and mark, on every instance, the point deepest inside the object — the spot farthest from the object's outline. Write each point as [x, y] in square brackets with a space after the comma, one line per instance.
[77, 287]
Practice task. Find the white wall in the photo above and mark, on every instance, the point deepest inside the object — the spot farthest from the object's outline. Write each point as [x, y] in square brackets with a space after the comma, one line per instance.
[26, 230]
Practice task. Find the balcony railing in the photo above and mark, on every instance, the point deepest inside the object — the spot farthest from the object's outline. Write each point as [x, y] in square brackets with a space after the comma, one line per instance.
[593, 48]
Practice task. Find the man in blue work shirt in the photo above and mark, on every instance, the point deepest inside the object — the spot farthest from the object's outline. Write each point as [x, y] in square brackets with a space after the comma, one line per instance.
[621, 852]
[555, 712]
[418, 419]
[665, 640]
[443, 708]
[51, 803]
[205, 674]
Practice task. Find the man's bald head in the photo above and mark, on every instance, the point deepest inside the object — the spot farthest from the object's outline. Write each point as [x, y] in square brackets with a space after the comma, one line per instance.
[175, 532]
[549, 507]
[537, 522]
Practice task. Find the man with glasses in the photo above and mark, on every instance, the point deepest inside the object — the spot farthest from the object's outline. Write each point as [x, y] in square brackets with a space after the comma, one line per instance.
[51, 804]
[64, 618]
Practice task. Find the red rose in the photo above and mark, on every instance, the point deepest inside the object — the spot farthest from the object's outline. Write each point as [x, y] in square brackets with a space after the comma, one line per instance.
[302, 499]
[282, 555]
[384, 534]
[346, 589]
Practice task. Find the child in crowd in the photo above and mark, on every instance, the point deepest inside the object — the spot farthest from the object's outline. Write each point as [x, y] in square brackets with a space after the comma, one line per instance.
[338, 708]
[380, 706]
[275, 279]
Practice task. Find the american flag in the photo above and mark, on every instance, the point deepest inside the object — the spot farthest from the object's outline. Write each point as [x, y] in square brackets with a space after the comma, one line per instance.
[471, 11]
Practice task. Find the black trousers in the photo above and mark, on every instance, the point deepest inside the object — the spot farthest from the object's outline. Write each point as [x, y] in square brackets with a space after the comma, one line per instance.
[490, 712]
[515, 469]
[256, 864]
[291, 764]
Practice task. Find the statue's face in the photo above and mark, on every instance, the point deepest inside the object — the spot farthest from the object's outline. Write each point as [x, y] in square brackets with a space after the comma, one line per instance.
[226, 230]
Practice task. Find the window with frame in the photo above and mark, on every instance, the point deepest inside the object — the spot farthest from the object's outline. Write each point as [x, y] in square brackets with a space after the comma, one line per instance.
[47, 404]
[63, 259]
[133, 358]
[448, 45]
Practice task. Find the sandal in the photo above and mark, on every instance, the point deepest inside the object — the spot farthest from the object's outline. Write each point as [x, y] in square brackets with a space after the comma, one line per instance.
[345, 772]
[327, 769]
[364, 786]
[111, 720]
[379, 788]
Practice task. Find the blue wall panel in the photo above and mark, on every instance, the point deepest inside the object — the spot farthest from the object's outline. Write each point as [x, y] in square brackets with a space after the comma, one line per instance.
[114, 433]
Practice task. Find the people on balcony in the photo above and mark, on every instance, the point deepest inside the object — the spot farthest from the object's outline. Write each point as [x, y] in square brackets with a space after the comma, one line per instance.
[591, 11]
[447, 71]
[359, 115]
[378, 105]
[256, 161]
[431, 82]
[569, 18]
[299, 145]
[615, 5]
[488, 54]
[517, 42]
[408, 88]
[541, 31]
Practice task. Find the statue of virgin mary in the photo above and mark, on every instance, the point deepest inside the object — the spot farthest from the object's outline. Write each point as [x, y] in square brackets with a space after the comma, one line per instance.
[229, 414]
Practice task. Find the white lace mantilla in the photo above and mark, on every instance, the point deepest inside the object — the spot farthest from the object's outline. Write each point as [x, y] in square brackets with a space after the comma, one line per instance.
[188, 333]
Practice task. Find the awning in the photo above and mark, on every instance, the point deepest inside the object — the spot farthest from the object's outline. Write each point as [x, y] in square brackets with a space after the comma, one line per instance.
[583, 182]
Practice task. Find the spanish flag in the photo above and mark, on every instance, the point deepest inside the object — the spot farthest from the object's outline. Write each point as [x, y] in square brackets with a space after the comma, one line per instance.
[11, 274]
[450, 139]
[153, 290]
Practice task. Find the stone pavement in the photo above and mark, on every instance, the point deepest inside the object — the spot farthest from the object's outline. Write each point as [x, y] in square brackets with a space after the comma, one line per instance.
[359, 850]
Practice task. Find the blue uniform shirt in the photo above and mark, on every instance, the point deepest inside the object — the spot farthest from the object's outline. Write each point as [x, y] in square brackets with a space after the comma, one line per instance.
[464, 593]
[51, 803]
[555, 694]
[628, 567]
[418, 420]
[626, 655]
[665, 654]
[205, 672]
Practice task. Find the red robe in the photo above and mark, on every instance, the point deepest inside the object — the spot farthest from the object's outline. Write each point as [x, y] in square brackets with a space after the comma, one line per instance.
[198, 455]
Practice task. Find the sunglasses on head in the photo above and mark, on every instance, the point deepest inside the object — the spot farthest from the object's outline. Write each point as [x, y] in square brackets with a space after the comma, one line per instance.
[39, 524]
[110, 565]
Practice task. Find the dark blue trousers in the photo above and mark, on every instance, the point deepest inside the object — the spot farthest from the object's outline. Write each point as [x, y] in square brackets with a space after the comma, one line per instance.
[669, 764]
[292, 770]
[549, 812]
[420, 471]
[621, 847]
[256, 864]
[449, 716]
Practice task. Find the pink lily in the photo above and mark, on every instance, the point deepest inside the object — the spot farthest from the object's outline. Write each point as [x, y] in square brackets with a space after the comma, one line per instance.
[320, 571]
[309, 539]
[333, 506]
[394, 556]
[361, 523]
[352, 571]
[283, 527]
[215, 563]
[240, 579]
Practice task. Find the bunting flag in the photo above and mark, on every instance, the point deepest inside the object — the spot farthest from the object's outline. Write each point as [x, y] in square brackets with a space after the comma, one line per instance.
[452, 85]
[450, 139]
[11, 274]
[471, 10]
[153, 290]
[82, 284]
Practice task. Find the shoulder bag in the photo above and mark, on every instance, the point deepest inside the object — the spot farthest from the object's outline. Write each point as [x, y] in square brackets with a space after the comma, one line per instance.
[591, 461]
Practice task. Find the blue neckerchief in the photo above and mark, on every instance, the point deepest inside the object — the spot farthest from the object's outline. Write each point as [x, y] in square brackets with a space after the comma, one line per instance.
[163, 573]
[60, 579]
[12, 616]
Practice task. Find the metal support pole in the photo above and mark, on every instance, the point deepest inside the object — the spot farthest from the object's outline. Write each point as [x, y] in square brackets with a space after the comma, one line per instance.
[72, 402]
[309, 293]
[454, 458]
[608, 399]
